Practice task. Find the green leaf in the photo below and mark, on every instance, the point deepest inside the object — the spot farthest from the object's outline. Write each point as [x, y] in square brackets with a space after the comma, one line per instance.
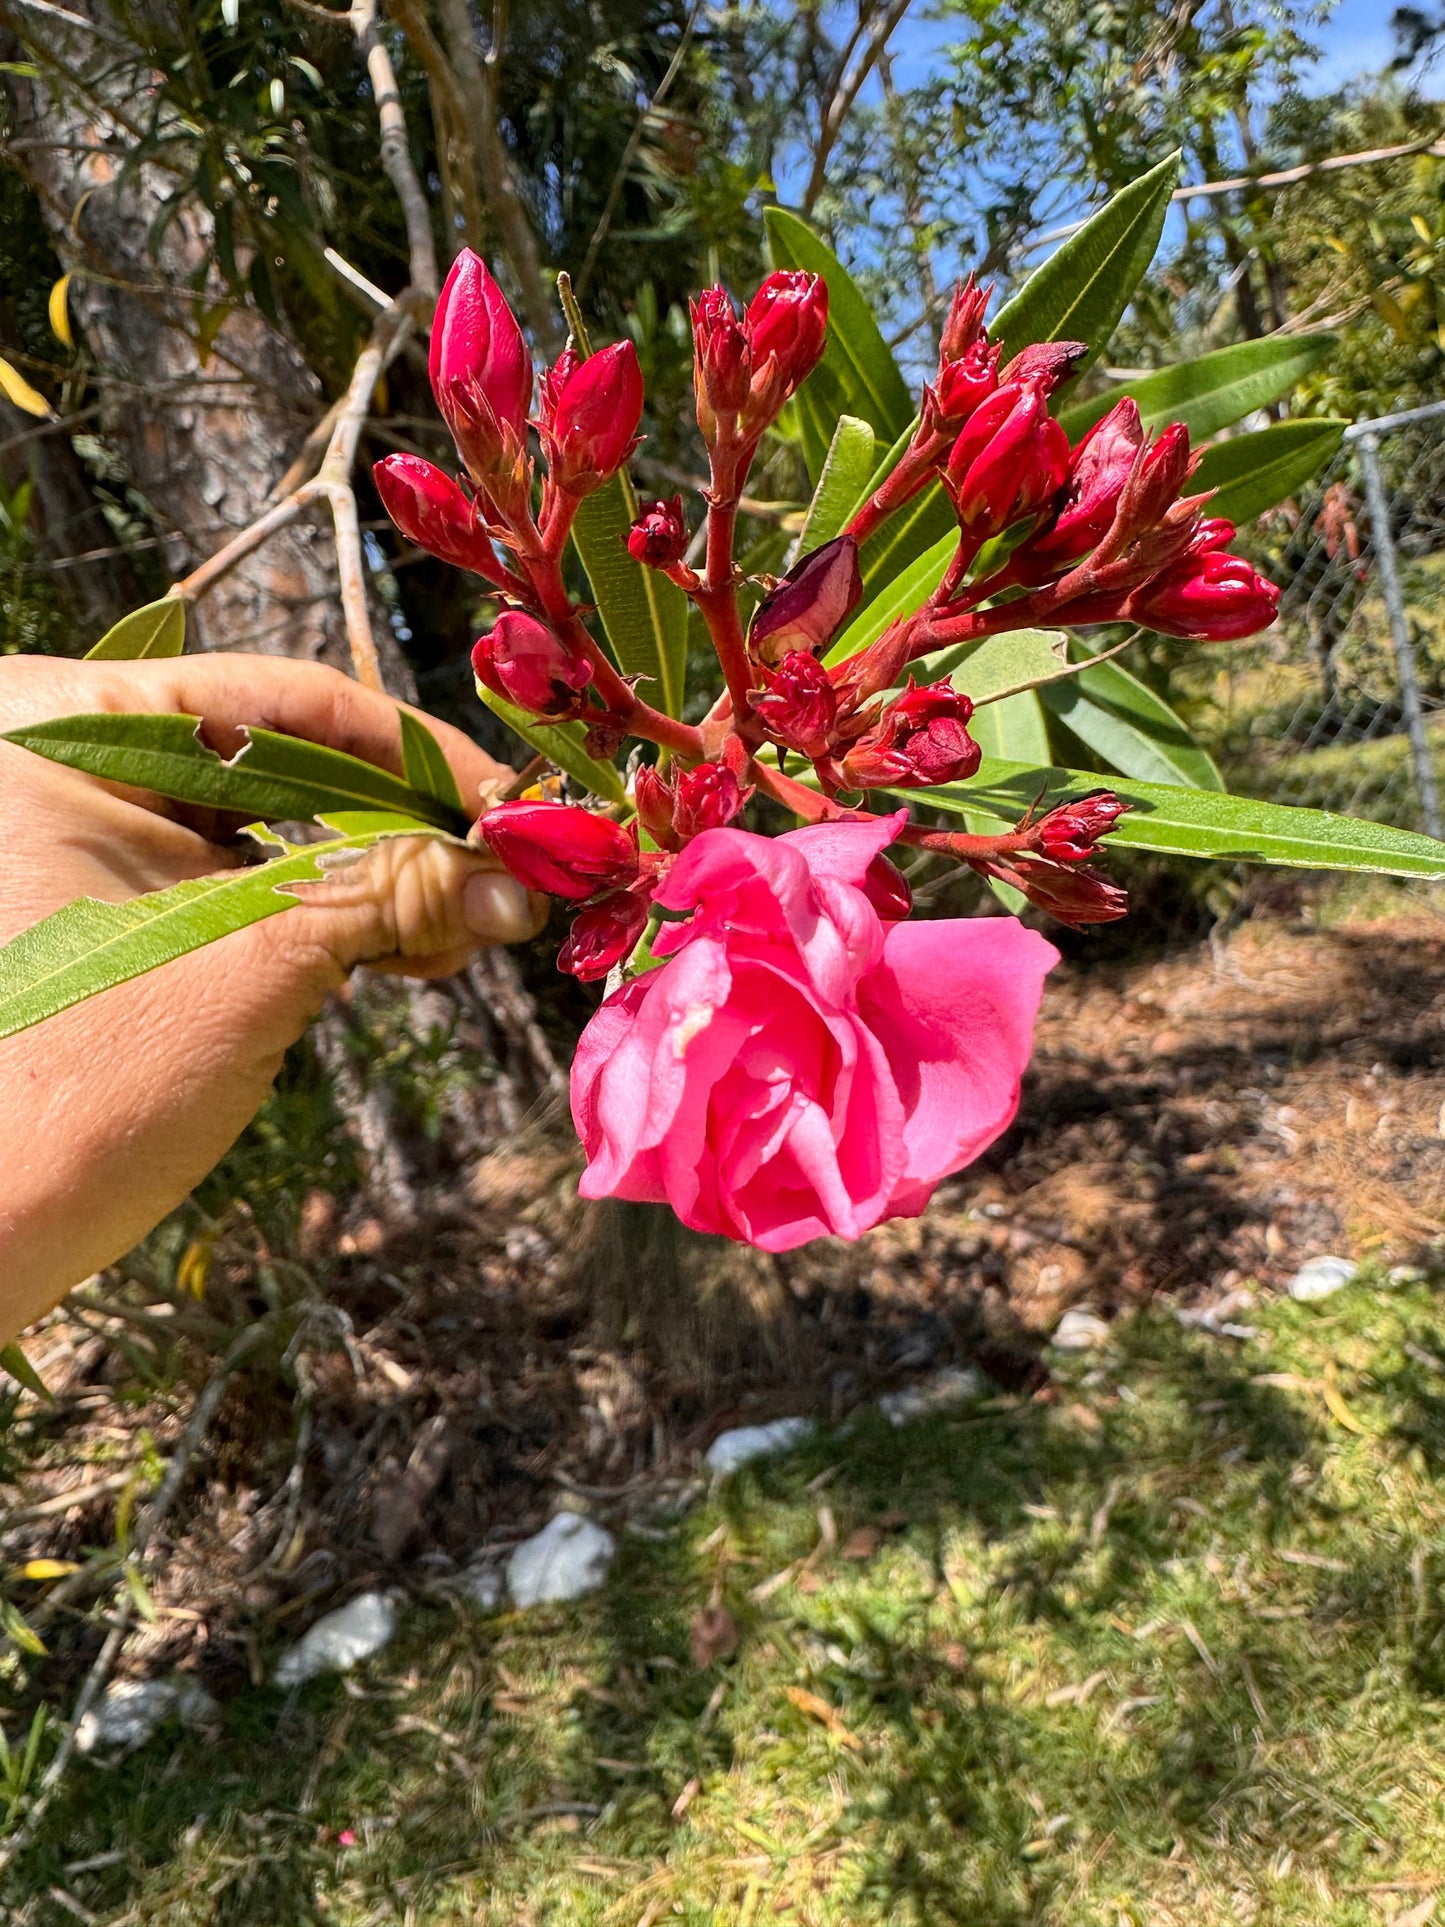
[1212, 391]
[1254, 472]
[1132, 729]
[909, 590]
[1199, 823]
[857, 375]
[14, 1361]
[644, 614]
[1014, 728]
[19, 1631]
[273, 777]
[1080, 292]
[89, 946]
[425, 767]
[159, 629]
[564, 744]
[904, 537]
[846, 471]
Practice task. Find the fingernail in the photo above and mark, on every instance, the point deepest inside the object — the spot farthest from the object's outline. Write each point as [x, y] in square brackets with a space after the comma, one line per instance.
[495, 908]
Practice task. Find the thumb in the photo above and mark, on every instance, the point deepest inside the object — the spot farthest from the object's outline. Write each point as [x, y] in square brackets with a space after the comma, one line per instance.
[419, 905]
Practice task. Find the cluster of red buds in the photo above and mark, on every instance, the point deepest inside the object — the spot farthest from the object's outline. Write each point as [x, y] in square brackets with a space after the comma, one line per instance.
[1049, 533]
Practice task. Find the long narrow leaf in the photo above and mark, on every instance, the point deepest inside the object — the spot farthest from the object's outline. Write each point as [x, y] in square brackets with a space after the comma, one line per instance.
[1212, 391]
[561, 743]
[159, 629]
[644, 614]
[425, 767]
[1254, 472]
[1199, 823]
[272, 777]
[1080, 292]
[90, 946]
[845, 476]
[1132, 729]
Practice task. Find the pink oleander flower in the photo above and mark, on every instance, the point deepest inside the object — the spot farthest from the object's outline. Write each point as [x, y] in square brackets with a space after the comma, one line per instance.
[798, 1067]
[481, 368]
[522, 661]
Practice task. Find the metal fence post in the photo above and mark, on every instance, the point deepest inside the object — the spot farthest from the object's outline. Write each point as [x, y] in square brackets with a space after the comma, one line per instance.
[1384, 545]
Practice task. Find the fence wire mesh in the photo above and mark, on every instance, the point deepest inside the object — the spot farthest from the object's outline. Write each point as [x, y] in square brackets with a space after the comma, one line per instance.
[1322, 712]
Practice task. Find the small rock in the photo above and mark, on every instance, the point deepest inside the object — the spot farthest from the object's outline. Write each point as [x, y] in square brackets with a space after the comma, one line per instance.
[1405, 1275]
[1080, 1330]
[729, 1450]
[131, 1710]
[938, 1393]
[567, 1558]
[340, 1640]
[1321, 1278]
[484, 1585]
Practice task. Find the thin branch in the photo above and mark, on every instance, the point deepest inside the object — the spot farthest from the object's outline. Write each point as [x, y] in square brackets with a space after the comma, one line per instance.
[1057, 675]
[845, 92]
[629, 152]
[396, 151]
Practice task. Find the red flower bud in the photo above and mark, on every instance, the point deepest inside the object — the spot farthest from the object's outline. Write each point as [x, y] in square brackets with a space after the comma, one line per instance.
[798, 704]
[1010, 459]
[658, 538]
[433, 511]
[522, 661]
[1153, 488]
[560, 848]
[961, 386]
[554, 380]
[1046, 362]
[1075, 896]
[810, 604]
[963, 326]
[919, 740]
[1068, 834]
[1212, 597]
[708, 798]
[653, 796]
[481, 371]
[722, 363]
[589, 420]
[1100, 467]
[787, 319]
[887, 889]
[603, 935]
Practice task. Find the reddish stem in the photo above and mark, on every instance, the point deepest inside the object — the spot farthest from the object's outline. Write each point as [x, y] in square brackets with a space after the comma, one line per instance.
[718, 600]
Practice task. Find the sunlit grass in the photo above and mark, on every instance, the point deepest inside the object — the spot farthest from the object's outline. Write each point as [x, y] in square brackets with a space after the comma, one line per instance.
[1170, 1647]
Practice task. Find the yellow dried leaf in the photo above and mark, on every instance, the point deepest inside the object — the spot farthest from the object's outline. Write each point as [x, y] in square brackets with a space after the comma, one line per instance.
[47, 1569]
[194, 1268]
[820, 1710]
[1338, 1408]
[17, 389]
[60, 311]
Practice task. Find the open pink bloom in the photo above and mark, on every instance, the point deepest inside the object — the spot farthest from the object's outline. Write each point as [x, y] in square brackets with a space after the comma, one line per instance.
[799, 1068]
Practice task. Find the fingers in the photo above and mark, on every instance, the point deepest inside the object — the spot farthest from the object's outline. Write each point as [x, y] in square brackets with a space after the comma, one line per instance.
[230, 691]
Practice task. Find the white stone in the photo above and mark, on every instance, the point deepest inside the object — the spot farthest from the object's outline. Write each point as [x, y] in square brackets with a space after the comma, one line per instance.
[340, 1640]
[1321, 1278]
[1405, 1275]
[484, 1585]
[567, 1558]
[131, 1709]
[729, 1450]
[944, 1389]
[1080, 1330]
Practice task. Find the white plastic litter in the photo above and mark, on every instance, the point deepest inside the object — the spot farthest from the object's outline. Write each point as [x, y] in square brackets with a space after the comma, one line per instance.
[567, 1558]
[1321, 1278]
[131, 1710]
[947, 1387]
[340, 1640]
[1080, 1330]
[729, 1450]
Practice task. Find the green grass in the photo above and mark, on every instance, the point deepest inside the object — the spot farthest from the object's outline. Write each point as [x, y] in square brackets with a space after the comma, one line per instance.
[1168, 1648]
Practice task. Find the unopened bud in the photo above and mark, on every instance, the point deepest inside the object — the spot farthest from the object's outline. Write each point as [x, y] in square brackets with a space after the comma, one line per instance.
[1011, 458]
[653, 797]
[559, 848]
[1046, 362]
[963, 325]
[920, 740]
[888, 890]
[708, 798]
[481, 371]
[589, 426]
[1069, 833]
[787, 322]
[798, 705]
[1099, 469]
[658, 538]
[810, 604]
[962, 386]
[1213, 597]
[604, 934]
[1073, 895]
[722, 363]
[435, 512]
[522, 661]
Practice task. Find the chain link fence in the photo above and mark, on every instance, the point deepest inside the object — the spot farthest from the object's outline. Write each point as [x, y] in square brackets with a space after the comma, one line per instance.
[1343, 705]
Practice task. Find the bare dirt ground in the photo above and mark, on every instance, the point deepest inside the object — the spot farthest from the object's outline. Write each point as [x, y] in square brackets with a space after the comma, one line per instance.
[1193, 1126]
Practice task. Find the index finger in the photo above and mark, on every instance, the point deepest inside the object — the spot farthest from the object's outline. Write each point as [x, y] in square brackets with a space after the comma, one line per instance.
[232, 691]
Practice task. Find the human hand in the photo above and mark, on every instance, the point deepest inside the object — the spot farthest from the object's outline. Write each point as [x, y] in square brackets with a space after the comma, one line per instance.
[111, 1111]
